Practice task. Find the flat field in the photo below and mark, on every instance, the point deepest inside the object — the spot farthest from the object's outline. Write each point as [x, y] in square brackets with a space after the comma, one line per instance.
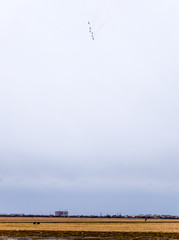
[88, 224]
[93, 227]
[87, 228]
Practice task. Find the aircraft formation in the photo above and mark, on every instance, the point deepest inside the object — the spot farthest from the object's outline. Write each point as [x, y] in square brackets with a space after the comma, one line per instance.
[90, 30]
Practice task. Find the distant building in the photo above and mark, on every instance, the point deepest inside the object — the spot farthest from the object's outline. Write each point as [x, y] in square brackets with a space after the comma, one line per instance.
[61, 213]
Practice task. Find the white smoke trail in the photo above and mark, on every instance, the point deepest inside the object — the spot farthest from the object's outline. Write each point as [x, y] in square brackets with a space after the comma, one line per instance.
[103, 14]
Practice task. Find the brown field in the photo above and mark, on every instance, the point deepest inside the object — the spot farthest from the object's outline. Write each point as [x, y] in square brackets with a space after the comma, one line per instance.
[87, 228]
[93, 227]
[88, 224]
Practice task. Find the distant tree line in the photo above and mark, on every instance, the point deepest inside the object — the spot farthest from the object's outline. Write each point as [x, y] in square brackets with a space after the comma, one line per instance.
[147, 216]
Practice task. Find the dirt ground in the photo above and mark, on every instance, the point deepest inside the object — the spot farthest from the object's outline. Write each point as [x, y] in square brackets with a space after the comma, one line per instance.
[50, 235]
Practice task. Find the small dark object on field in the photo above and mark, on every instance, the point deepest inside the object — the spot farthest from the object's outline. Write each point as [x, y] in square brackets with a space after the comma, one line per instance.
[38, 222]
[145, 219]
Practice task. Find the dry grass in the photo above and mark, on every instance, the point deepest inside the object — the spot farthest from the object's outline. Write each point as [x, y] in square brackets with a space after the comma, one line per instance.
[96, 229]
[93, 227]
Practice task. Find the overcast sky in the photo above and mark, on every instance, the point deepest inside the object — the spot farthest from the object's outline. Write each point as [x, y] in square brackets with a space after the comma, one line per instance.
[89, 126]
